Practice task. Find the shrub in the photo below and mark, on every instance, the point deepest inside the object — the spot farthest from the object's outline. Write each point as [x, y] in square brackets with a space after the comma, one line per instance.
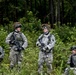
[30, 65]
[66, 33]
[30, 22]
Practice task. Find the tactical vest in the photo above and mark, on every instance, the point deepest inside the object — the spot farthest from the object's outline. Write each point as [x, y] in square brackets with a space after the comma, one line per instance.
[49, 38]
[73, 60]
[15, 37]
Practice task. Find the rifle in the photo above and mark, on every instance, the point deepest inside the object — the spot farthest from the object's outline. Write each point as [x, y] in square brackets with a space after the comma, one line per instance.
[15, 42]
[43, 46]
[18, 46]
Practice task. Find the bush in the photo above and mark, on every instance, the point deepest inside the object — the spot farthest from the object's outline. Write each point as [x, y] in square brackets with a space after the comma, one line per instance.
[30, 22]
[30, 65]
[3, 34]
[66, 33]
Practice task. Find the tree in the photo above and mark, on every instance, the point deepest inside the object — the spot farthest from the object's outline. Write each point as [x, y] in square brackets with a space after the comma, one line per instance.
[1, 12]
[57, 12]
[51, 10]
[62, 12]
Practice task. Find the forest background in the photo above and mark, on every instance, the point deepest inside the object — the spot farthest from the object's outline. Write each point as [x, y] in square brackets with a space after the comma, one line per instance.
[60, 14]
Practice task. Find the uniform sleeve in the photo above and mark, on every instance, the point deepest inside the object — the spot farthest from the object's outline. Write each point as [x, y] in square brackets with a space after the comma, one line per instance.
[2, 52]
[8, 38]
[38, 42]
[69, 59]
[25, 44]
[52, 42]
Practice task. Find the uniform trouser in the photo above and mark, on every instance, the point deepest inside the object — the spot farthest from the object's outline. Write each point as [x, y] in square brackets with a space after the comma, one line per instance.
[67, 71]
[48, 59]
[15, 57]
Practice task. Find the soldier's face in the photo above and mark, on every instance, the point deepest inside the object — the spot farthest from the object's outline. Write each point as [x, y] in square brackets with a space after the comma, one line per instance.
[45, 30]
[19, 29]
[74, 51]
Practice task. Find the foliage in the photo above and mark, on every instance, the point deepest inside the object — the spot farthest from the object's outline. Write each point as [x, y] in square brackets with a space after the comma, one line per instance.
[30, 22]
[13, 10]
[3, 34]
[9, 27]
[66, 33]
[29, 65]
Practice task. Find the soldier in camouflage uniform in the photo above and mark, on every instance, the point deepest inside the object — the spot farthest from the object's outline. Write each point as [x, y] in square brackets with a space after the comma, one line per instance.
[45, 42]
[71, 62]
[18, 42]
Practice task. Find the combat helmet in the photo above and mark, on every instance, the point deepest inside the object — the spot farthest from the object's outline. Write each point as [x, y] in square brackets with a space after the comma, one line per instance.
[73, 48]
[46, 26]
[17, 25]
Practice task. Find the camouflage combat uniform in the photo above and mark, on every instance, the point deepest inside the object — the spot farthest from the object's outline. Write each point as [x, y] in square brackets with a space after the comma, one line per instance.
[46, 44]
[15, 54]
[72, 63]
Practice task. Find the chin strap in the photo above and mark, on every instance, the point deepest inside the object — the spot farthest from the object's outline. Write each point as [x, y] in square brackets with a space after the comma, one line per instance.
[46, 33]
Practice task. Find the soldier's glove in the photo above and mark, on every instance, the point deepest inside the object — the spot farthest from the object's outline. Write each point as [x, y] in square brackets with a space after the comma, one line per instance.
[11, 42]
[47, 48]
[39, 45]
[16, 49]
[21, 48]
[68, 62]
[43, 49]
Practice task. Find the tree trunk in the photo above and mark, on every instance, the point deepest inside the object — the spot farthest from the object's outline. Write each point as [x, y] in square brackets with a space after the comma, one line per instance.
[62, 13]
[51, 8]
[27, 1]
[31, 7]
[16, 14]
[58, 13]
[35, 6]
[25, 8]
[45, 12]
[41, 11]
[1, 13]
